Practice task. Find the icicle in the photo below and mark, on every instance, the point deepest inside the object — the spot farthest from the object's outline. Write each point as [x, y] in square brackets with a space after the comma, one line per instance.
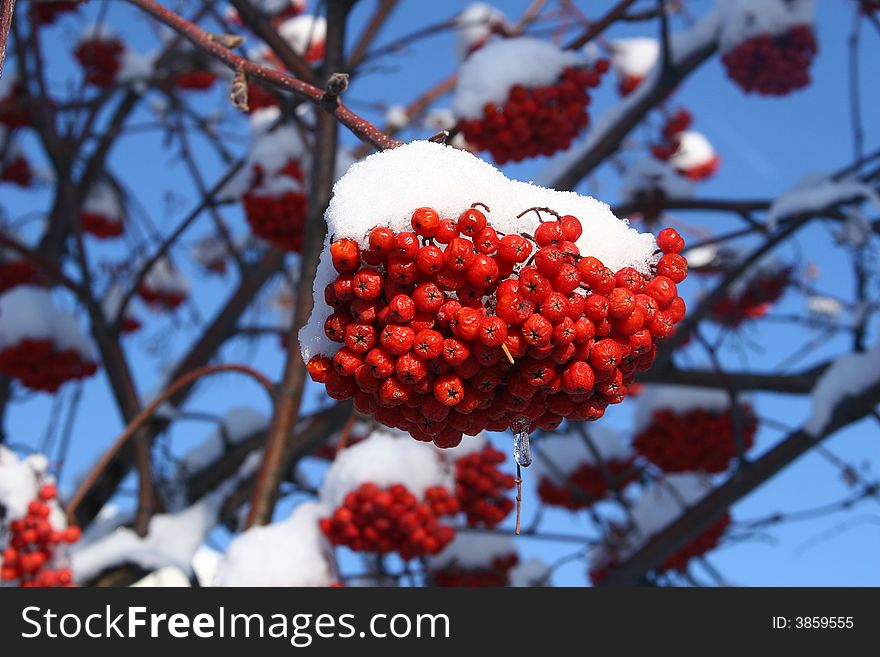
[522, 451]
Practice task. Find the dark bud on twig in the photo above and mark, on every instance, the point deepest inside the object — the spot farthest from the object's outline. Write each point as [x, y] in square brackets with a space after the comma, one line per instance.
[440, 138]
[336, 85]
[238, 94]
[227, 40]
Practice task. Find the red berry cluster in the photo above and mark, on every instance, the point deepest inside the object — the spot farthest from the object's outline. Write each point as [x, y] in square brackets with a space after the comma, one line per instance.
[629, 83]
[101, 59]
[260, 97]
[277, 217]
[13, 113]
[773, 65]
[480, 486]
[699, 546]
[100, 226]
[194, 80]
[45, 13]
[535, 121]
[694, 441]
[753, 300]
[482, 334]
[160, 299]
[16, 272]
[16, 170]
[33, 546]
[586, 485]
[39, 365]
[386, 520]
[497, 573]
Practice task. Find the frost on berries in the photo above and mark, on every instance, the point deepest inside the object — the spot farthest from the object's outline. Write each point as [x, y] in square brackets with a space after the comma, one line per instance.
[451, 300]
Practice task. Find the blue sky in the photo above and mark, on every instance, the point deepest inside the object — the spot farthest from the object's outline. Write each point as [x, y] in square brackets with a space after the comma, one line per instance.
[766, 146]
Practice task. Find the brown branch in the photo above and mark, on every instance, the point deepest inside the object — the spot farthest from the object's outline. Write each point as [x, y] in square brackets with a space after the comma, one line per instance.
[800, 383]
[44, 264]
[359, 126]
[596, 28]
[282, 437]
[708, 204]
[261, 27]
[698, 518]
[7, 7]
[371, 31]
[141, 418]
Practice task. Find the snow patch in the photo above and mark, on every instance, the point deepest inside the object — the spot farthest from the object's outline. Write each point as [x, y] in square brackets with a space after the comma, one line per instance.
[566, 452]
[473, 550]
[634, 57]
[679, 399]
[815, 193]
[847, 376]
[743, 19]
[28, 312]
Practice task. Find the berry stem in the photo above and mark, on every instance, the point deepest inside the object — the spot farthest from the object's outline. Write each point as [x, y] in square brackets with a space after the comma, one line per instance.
[538, 211]
[518, 481]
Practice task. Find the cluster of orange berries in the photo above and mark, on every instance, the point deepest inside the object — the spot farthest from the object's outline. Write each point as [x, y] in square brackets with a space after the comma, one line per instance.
[277, 217]
[773, 65]
[492, 329]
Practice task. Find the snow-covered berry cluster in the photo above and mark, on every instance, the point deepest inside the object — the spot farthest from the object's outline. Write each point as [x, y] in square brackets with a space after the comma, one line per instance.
[163, 288]
[520, 98]
[392, 519]
[15, 271]
[773, 64]
[686, 151]
[35, 546]
[571, 476]
[535, 121]
[694, 440]
[41, 345]
[275, 206]
[753, 297]
[101, 57]
[480, 487]
[491, 328]
[495, 573]
[102, 213]
[633, 59]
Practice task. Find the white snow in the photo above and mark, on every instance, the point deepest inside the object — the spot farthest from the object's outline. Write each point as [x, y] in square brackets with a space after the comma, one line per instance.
[103, 200]
[163, 277]
[137, 68]
[386, 187]
[293, 552]
[847, 376]
[744, 19]
[19, 482]
[474, 24]
[29, 312]
[488, 74]
[209, 251]
[112, 301]
[167, 577]
[694, 150]
[239, 423]
[205, 562]
[384, 459]
[701, 256]
[664, 500]
[301, 32]
[172, 538]
[824, 306]
[635, 56]
[856, 229]
[568, 451]
[648, 175]
[679, 399]
[396, 117]
[532, 572]
[473, 550]
[815, 193]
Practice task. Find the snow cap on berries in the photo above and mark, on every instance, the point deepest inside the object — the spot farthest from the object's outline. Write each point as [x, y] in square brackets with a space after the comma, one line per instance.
[679, 399]
[664, 500]
[385, 189]
[744, 19]
[28, 312]
[648, 176]
[559, 454]
[488, 74]
[385, 458]
[292, 552]
[634, 57]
